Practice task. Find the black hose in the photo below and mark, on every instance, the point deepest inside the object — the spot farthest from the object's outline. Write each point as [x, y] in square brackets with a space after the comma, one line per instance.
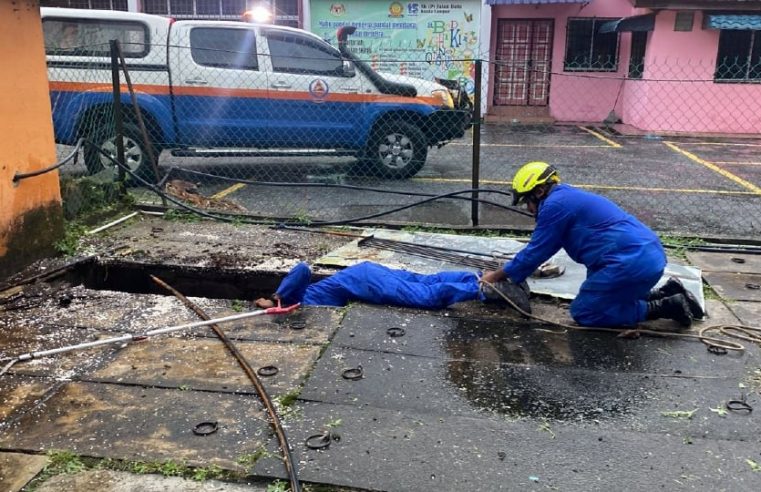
[237, 218]
[287, 184]
[73, 155]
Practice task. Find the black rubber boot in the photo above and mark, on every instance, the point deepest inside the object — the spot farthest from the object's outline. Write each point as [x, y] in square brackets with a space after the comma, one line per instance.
[519, 294]
[673, 307]
[674, 286]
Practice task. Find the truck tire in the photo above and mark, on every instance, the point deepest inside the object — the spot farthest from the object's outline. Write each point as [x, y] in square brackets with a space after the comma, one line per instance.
[135, 153]
[396, 150]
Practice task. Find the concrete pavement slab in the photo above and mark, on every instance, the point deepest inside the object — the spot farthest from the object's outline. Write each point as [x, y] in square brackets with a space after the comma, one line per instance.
[749, 313]
[308, 324]
[19, 394]
[17, 469]
[134, 423]
[27, 336]
[431, 334]
[205, 363]
[114, 481]
[735, 286]
[472, 387]
[725, 262]
[383, 449]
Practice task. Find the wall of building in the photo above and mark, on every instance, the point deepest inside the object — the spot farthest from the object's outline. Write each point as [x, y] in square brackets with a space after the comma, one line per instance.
[679, 94]
[574, 96]
[30, 212]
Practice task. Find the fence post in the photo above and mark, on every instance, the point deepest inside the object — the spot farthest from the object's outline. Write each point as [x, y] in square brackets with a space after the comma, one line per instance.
[118, 122]
[476, 159]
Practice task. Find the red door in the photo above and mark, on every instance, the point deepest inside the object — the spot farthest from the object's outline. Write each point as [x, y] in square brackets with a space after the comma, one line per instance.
[523, 62]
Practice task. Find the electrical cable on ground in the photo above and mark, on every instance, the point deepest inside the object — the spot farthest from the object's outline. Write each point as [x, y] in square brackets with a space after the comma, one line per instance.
[237, 218]
[286, 184]
[290, 465]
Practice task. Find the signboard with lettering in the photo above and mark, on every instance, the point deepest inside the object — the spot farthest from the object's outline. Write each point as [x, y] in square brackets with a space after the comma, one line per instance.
[419, 39]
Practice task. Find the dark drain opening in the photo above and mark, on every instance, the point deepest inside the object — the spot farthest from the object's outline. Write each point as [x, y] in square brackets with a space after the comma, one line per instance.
[213, 283]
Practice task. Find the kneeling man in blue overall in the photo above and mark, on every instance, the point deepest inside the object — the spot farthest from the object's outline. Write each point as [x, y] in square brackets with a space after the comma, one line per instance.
[624, 258]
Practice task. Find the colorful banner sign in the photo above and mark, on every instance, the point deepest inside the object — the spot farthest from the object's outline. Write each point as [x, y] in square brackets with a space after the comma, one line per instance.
[419, 39]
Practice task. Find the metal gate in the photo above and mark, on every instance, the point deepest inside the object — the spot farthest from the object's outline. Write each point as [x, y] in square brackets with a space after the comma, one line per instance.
[523, 62]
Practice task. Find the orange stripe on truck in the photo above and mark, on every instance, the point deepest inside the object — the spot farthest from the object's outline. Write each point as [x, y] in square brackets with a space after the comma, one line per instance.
[244, 93]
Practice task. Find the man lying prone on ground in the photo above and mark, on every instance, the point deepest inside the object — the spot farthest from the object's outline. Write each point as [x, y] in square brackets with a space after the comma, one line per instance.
[373, 283]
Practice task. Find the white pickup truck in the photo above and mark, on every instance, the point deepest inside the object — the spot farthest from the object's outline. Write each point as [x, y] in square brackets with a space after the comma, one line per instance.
[236, 85]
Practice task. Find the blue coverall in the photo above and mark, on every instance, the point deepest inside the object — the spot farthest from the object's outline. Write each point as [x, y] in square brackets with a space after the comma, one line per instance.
[624, 258]
[377, 284]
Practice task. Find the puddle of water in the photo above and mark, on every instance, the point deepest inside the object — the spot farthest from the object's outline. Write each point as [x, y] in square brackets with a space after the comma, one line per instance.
[521, 372]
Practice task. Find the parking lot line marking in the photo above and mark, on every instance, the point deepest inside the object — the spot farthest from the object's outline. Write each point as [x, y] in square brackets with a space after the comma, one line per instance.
[597, 187]
[227, 191]
[542, 146]
[713, 167]
[738, 163]
[724, 144]
[602, 137]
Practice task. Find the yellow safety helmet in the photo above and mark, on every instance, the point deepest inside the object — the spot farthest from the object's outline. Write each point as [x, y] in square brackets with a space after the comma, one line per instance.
[531, 175]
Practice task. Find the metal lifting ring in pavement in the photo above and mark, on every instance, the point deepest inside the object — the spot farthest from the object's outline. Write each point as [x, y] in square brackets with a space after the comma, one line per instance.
[267, 371]
[740, 405]
[395, 332]
[753, 286]
[715, 349]
[738, 260]
[205, 428]
[319, 441]
[353, 373]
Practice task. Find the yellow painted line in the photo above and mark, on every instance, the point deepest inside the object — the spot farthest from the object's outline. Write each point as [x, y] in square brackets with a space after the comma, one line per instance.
[540, 146]
[602, 137]
[738, 163]
[721, 144]
[227, 191]
[596, 187]
[713, 167]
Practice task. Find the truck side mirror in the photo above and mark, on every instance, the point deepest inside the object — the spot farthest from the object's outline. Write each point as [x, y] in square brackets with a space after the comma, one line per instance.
[348, 69]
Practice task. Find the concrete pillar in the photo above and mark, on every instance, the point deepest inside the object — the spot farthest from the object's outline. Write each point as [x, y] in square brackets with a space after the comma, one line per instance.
[30, 211]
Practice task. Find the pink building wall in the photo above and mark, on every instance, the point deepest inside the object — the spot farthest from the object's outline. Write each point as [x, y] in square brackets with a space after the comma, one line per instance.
[677, 92]
[574, 96]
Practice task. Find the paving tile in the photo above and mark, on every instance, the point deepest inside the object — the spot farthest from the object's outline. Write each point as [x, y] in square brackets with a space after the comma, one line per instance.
[19, 394]
[133, 423]
[725, 262]
[735, 286]
[205, 363]
[17, 469]
[517, 342]
[487, 387]
[749, 313]
[114, 481]
[382, 449]
[26, 336]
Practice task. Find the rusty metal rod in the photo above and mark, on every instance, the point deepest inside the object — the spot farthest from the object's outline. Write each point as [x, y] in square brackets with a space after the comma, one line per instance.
[290, 465]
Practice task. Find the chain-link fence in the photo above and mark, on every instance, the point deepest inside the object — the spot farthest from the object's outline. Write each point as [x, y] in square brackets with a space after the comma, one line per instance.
[290, 128]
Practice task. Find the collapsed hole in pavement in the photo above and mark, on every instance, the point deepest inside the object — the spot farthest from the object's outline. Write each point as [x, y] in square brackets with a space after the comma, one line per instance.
[214, 283]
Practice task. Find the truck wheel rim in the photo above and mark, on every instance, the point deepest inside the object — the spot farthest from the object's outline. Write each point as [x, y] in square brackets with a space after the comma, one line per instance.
[133, 154]
[396, 151]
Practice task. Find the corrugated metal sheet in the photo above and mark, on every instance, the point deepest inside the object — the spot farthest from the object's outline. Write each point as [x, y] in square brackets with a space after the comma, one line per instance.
[733, 21]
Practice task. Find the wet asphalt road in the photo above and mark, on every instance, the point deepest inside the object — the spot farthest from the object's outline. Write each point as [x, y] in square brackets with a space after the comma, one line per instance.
[694, 186]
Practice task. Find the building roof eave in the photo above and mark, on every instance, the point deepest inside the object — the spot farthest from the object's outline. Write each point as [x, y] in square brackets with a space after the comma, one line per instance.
[745, 5]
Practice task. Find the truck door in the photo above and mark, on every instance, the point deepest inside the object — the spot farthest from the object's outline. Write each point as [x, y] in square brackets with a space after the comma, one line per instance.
[219, 90]
[316, 99]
